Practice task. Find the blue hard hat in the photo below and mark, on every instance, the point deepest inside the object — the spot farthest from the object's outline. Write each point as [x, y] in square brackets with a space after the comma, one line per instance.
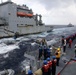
[48, 59]
[54, 57]
[45, 62]
[48, 49]
[29, 72]
[45, 47]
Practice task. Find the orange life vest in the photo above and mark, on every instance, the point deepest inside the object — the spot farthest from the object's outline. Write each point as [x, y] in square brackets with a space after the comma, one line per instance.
[45, 68]
[50, 63]
[70, 41]
[54, 61]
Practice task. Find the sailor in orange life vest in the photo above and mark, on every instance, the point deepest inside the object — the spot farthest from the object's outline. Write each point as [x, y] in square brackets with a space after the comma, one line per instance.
[40, 52]
[70, 43]
[45, 68]
[50, 65]
[53, 65]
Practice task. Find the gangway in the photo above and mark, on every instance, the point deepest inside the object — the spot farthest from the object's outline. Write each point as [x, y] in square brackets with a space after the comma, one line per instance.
[69, 68]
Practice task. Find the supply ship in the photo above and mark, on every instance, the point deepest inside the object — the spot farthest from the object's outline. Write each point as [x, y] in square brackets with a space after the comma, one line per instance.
[70, 25]
[19, 19]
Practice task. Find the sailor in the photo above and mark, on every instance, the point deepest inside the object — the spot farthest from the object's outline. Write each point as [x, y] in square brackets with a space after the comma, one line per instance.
[75, 49]
[70, 43]
[30, 72]
[44, 45]
[64, 46]
[50, 65]
[45, 52]
[53, 65]
[48, 52]
[45, 68]
[58, 54]
[72, 37]
[43, 42]
[50, 47]
[62, 40]
[40, 52]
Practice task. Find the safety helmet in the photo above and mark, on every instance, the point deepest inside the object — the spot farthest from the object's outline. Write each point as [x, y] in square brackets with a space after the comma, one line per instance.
[45, 47]
[45, 62]
[29, 72]
[54, 57]
[58, 49]
[48, 49]
[48, 59]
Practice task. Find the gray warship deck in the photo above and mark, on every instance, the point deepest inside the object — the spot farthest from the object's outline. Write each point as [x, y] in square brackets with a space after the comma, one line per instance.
[70, 67]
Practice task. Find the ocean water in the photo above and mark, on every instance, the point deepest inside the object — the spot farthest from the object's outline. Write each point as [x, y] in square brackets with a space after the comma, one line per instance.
[12, 52]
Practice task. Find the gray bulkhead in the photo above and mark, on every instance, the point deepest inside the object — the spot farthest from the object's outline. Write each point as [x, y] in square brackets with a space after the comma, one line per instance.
[15, 20]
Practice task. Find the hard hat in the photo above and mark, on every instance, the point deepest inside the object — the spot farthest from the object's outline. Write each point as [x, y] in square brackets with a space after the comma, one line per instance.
[45, 47]
[48, 49]
[54, 57]
[58, 49]
[48, 59]
[29, 72]
[45, 62]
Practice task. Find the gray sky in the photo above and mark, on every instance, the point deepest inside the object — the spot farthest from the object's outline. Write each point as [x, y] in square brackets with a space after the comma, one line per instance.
[53, 11]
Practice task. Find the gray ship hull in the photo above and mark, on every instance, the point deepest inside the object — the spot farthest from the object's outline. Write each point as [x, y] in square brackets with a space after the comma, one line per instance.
[24, 30]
